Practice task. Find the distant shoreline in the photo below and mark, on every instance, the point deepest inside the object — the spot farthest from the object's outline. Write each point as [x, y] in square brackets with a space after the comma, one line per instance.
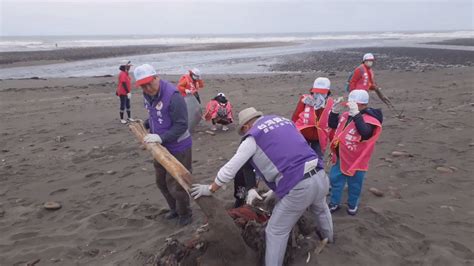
[31, 58]
[458, 42]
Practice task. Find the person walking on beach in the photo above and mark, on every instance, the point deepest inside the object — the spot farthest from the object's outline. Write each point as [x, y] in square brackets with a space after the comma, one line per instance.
[311, 117]
[168, 125]
[284, 160]
[357, 130]
[362, 78]
[124, 90]
[190, 83]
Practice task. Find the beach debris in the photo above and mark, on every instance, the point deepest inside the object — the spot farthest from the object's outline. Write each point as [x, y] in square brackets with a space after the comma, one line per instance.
[451, 208]
[321, 246]
[124, 205]
[92, 252]
[309, 257]
[377, 192]
[111, 172]
[212, 133]
[444, 169]
[55, 260]
[60, 139]
[52, 205]
[401, 154]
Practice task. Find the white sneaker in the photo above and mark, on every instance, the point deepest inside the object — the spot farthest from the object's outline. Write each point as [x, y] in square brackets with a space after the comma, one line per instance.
[225, 128]
[130, 119]
[213, 128]
[123, 121]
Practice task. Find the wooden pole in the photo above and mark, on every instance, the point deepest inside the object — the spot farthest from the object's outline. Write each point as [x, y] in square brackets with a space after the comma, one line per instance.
[225, 244]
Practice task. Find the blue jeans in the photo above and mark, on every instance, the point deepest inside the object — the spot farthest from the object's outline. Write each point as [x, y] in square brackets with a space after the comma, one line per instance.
[354, 184]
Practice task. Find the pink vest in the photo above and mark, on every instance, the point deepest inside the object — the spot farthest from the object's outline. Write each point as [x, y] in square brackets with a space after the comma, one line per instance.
[213, 107]
[354, 154]
[191, 85]
[307, 118]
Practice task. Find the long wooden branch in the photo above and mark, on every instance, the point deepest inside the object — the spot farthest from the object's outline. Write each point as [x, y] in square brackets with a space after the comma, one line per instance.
[226, 242]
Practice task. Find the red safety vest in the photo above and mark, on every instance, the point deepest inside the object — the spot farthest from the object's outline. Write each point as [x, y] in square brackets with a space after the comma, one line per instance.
[362, 79]
[187, 83]
[213, 107]
[123, 77]
[354, 154]
[308, 119]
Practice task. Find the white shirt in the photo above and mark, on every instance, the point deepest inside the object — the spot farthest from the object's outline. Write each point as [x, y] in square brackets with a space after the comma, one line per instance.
[246, 150]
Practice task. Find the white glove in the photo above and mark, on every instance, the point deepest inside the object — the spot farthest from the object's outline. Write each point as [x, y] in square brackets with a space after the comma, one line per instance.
[198, 190]
[353, 108]
[152, 138]
[252, 194]
[337, 107]
[129, 95]
[188, 91]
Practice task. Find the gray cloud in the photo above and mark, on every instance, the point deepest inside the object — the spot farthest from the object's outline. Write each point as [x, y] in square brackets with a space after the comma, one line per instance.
[229, 17]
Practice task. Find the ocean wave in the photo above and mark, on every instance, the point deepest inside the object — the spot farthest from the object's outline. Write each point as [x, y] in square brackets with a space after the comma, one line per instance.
[51, 43]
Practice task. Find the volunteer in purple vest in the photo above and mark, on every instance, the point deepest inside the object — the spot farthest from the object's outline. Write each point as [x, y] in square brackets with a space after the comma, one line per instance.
[168, 125]
[281, 155]
[357, 131]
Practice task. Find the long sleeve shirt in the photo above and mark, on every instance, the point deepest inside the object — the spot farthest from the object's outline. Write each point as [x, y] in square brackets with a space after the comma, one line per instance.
[178, 113]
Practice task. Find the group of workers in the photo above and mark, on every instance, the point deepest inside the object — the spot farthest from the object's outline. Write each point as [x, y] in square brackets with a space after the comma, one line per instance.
[288, 155]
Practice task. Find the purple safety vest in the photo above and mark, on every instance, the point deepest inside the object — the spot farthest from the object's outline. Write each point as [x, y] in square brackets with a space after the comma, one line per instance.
[160, 119]
[281, 153]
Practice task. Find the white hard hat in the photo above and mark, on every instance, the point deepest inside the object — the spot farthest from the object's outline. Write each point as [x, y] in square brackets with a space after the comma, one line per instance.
[221, 94]
[368, 57]
[321, 85]
[144, 74]
[125, 62]
[359, 96]
[196, 72]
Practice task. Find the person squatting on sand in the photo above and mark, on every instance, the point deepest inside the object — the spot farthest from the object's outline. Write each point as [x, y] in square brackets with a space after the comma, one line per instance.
[285, 161]
[219, 111]
[191, 83]
[168, 125]
[124, 89]
[357, 130]
[312, 114]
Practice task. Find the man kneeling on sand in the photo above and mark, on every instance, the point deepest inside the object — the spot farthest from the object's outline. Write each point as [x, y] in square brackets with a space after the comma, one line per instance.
[168, 125]
[284, 160]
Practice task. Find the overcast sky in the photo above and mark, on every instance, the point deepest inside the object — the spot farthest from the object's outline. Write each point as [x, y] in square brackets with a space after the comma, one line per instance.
[96, 17]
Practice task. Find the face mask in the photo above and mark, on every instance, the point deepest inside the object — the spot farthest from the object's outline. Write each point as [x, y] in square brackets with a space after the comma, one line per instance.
[317, 101]
[369, 63]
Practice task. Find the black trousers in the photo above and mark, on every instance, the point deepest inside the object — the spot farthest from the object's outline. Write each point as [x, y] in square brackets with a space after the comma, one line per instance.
[243, 182]
[124, 103]
[175, 195]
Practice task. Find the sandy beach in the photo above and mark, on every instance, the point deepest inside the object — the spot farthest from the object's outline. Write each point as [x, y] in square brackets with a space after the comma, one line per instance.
[61, 140]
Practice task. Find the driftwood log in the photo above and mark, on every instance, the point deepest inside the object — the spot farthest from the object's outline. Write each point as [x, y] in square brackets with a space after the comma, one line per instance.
[225, 244]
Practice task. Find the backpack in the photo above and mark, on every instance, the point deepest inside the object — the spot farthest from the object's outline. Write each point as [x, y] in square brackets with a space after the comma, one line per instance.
[348, 82]
[222, 110]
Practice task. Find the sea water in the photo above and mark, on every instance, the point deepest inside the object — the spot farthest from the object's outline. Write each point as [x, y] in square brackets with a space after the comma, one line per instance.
[255, 60]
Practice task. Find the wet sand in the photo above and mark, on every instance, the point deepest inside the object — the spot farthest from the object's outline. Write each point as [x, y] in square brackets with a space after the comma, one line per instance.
[61, 140]
[29, 58]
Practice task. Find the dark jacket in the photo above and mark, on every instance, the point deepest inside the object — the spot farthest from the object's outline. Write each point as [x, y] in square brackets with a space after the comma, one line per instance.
[365, 130]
